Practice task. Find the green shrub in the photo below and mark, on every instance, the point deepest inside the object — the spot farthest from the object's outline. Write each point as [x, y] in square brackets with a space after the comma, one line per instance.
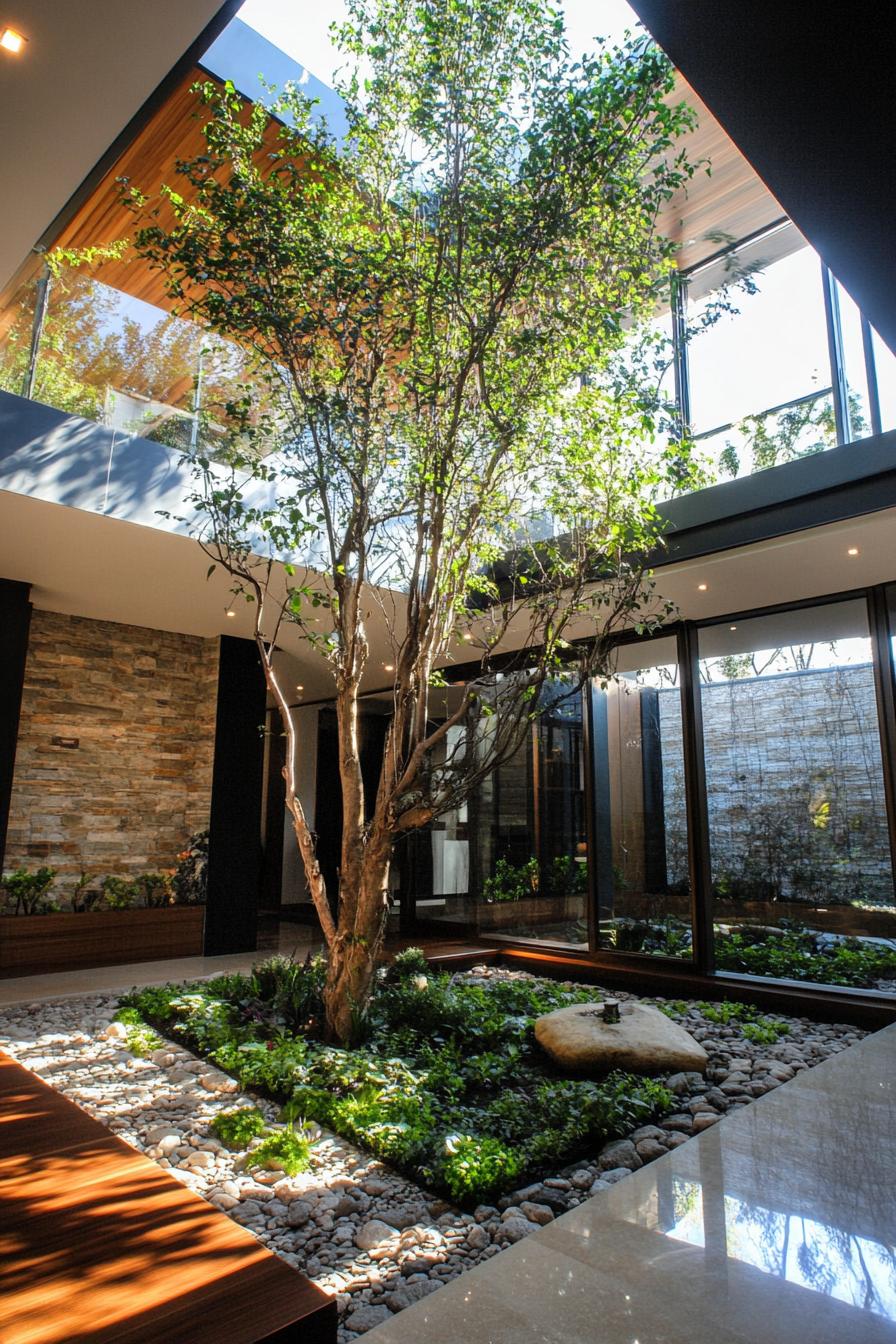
[237, 1129]
[409, 962]
[141, 1040]
[793, 954]
[27, 893]
[155, 889]
[511, 883]
[83, 897]
[119, 893]
[475, 1168]
[283, 1150]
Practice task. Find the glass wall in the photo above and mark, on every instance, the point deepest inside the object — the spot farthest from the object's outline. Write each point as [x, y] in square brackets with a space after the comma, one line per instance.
[802, 882]
[759, 364]
[764, 351]
[641, 822]
[109, 357]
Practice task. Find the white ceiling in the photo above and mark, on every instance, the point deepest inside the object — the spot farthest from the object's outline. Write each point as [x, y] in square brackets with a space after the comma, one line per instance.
[86, 70]
[90, 565]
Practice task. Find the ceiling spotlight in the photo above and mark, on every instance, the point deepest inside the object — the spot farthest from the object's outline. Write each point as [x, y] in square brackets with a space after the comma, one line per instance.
[466, 635]
[702, 587]
[732, 627]
[853, 550]
[230, 612]
[12, 41]
[389, 667]
[300, 688]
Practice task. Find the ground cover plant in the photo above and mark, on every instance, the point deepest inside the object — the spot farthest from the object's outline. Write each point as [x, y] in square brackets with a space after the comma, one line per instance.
[447, 1084]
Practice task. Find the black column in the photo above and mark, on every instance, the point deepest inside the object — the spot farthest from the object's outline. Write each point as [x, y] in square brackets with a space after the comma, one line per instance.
[235, 853]
[15, 620]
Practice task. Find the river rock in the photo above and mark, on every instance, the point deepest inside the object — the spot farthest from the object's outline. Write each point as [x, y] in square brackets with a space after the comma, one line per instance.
[644, 1040]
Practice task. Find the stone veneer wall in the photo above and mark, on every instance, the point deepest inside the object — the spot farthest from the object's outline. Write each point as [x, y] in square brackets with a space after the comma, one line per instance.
[141, 704]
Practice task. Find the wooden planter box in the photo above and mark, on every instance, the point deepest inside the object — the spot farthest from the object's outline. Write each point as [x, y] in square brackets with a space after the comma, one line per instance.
[533, 911]
[31, 944]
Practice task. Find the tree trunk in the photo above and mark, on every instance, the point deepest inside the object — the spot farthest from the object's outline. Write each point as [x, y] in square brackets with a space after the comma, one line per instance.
[353, 955]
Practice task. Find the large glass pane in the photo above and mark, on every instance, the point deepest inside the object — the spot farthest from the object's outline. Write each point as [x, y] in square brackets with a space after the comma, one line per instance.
[760, 379]
[110, 357]
[885, 366]
[528, 850]
[802, 883]
[642, 832]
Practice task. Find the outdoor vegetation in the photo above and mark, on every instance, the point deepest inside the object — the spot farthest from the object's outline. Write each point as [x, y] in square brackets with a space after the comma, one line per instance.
[458, 439]
[446, 1082]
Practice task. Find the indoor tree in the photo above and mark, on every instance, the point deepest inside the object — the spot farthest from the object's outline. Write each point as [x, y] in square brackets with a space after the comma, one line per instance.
[443, 305]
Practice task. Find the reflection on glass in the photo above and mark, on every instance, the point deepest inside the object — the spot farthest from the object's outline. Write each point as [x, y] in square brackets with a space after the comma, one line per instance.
[112, 358]
[802, 884]
[760, 380]
[528, 851]
[642, 860]
[811, 1254]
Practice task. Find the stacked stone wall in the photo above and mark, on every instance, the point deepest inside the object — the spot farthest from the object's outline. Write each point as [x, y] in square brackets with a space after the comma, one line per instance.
[116, 741]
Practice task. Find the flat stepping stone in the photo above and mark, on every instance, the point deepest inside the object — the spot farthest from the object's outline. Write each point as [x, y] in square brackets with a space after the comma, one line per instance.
[644, 1040]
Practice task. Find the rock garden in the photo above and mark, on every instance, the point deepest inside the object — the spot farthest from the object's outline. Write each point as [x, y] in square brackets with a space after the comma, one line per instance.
[473, 1109]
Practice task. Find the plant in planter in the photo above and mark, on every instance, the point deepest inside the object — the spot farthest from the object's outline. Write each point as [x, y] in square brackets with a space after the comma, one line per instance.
[157, 889]
[190, 879]
[119, 893]
[511, 883]
[83, 897]
[27, 893]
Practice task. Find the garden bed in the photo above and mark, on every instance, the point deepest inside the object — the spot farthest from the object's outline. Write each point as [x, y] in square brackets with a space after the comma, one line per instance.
[446, 1083]
[32, 944]
[350, 1222]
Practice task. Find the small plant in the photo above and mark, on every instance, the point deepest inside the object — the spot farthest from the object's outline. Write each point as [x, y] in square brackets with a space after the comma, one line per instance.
[190, 880]
[157, 889]
[479, 1167]
[141, 1039]
[283, 1150]
[27, 892]
[511, 883]
[237, 1129]
[119, 893]
[410, 962]
[83, 897]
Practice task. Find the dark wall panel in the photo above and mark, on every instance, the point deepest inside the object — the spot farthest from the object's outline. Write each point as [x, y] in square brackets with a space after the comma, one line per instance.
[15, 620]
[235, 854]
[806, 93]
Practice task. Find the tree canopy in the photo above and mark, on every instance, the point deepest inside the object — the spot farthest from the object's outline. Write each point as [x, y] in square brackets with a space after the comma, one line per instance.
[446, 308]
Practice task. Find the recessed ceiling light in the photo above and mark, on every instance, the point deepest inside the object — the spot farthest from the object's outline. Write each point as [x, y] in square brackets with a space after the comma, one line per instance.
[12, 41]
[389, 667]
[853, 550]
[732, 627]
[702, 587]
[300, 688]
[230, 612]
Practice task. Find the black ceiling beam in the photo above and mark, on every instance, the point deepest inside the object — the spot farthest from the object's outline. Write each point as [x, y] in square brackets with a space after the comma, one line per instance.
[807, 95]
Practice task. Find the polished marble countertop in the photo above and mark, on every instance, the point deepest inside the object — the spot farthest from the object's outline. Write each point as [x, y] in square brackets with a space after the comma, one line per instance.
[776, 1226]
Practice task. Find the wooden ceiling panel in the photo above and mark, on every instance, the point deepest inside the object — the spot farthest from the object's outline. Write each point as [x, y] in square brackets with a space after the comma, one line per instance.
[731, 199]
